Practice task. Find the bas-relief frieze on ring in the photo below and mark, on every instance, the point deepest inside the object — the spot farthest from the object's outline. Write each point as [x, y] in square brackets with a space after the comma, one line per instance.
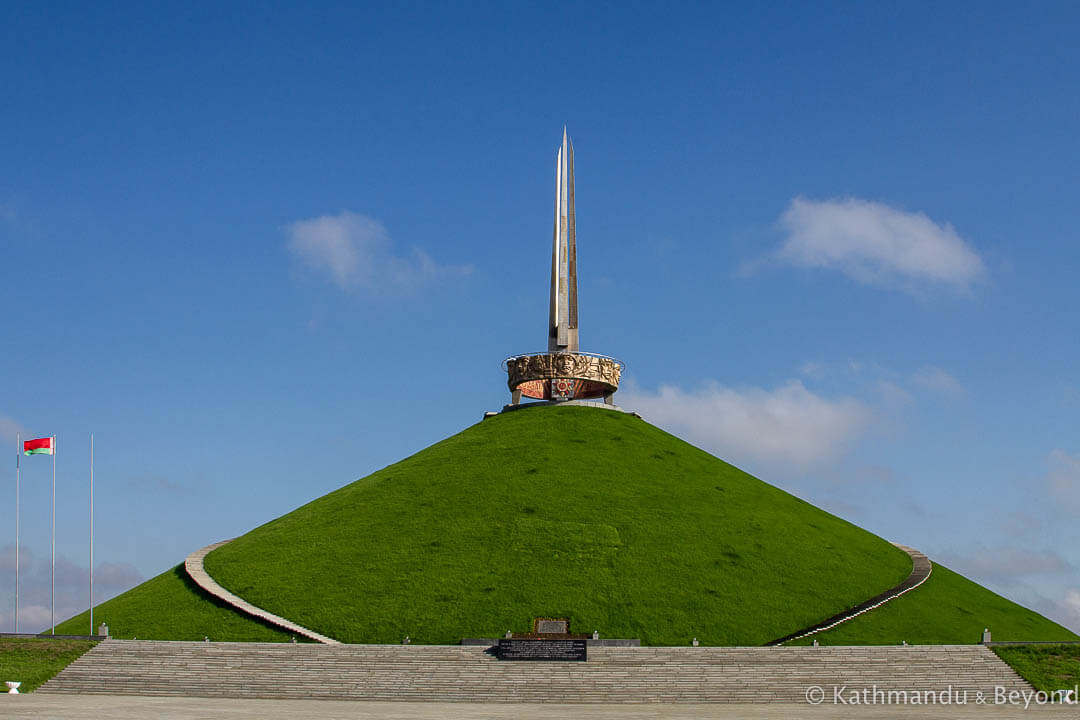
[578, 366]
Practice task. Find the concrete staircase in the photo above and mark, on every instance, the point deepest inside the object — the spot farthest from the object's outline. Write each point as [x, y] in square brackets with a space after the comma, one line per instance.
[469, 674]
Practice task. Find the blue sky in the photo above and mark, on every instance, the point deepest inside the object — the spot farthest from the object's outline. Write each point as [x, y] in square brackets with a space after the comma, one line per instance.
[263, 250]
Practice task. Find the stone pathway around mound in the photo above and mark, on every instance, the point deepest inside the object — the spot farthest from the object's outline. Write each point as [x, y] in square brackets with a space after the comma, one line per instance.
[920, 573]
[193, 564]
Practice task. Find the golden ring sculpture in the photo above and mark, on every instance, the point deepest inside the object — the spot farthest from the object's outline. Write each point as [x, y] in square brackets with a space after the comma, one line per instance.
[562, 376]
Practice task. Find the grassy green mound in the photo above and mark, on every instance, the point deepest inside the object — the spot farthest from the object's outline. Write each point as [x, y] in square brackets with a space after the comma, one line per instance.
[566, 512]
[172, 607]
[34, 661]
[1047, 667]
[946, 609]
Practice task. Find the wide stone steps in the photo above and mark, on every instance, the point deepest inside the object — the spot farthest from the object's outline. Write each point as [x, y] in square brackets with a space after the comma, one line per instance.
[469, 674]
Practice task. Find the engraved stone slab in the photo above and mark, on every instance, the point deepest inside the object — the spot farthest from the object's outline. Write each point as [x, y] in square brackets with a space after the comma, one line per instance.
[552, 627]
[542, 650]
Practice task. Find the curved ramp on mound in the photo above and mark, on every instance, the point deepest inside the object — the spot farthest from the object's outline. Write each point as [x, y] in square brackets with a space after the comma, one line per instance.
[193, 564]
[920, 572]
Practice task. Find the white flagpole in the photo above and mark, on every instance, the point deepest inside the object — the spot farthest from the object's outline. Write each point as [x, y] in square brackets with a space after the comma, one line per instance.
[18, 452]
[91, 533]
[52, 568]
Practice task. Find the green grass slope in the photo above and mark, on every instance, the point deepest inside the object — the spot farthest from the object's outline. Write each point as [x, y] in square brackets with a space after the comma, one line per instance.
[34, 661]
[1047, 667]
[946, 609]
[558, 511]
[172, 607]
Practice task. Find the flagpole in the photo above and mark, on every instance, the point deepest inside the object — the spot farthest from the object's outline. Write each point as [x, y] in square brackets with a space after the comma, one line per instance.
[91, 533]
[52, 568]
[18, 452]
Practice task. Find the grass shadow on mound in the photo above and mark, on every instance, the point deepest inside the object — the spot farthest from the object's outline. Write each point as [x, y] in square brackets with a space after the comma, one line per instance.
[193, 587]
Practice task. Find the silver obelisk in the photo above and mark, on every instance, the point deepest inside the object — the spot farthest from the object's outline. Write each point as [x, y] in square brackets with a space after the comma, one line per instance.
[563, 315]
[563, 372]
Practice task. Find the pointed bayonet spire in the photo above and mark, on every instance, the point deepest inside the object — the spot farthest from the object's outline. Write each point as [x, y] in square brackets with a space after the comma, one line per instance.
[563, 372]
[563, 315]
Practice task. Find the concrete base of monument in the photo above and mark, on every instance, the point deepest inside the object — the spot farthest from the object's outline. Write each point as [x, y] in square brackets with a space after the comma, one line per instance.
[575, 403]
[599, 642]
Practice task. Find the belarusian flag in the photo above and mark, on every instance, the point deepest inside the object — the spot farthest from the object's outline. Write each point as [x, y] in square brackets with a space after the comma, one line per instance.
[41, 446]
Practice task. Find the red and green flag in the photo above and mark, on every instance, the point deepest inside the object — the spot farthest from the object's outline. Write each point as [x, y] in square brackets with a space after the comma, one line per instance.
[41, 446]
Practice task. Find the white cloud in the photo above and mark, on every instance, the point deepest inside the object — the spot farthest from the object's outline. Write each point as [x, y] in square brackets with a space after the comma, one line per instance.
[9, 429]
[937, 380]
[1005, 565]
[787, 427]
[34, 618]
[1062, 605]
[876, 244]
[1072, 603]
[1042, 580]
[1064, 478]
[356, 251]
[72, 587]
[892, 395]
[1065, 610]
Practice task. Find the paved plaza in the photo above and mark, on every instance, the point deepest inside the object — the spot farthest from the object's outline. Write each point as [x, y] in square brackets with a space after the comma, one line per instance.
[117, 707]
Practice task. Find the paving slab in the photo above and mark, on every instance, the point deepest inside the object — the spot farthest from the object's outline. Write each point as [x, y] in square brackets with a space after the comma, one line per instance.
[120, 707]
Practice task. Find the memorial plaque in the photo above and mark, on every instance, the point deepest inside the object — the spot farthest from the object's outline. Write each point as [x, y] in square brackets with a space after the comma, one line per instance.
[542, 650]
[552, 627]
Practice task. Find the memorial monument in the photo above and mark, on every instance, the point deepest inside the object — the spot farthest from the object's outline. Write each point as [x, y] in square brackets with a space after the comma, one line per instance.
[563, 372]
